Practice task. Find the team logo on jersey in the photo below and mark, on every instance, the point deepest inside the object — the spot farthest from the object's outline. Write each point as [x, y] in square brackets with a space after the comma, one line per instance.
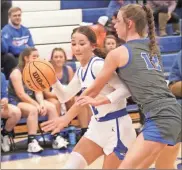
[6, 36]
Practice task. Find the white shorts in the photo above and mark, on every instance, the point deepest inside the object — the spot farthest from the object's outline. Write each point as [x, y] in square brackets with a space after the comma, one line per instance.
[115, 135]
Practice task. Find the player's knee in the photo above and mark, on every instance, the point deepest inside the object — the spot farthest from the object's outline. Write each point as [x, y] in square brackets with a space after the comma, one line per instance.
[75, 161]
[15, 112]
[33, 112]
[51, 107]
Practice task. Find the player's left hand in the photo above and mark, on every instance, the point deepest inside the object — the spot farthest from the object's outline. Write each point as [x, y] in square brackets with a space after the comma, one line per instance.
[55, 125]
[85, 100]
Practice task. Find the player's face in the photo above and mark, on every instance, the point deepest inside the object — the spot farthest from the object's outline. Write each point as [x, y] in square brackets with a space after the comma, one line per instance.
[58, 59]
[120, 26]
[15, 18]
[33, 56]
[110, 44]
[81, 48]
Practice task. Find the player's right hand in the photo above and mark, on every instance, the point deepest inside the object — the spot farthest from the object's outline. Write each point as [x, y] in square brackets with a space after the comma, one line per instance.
[4, 104]
[54, 125]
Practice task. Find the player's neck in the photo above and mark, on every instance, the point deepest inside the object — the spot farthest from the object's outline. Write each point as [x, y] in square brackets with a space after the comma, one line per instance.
[133, 37]
[84, 62]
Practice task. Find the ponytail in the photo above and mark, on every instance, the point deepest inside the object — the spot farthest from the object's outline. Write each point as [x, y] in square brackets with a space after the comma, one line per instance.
[154, 51]
[99, 52]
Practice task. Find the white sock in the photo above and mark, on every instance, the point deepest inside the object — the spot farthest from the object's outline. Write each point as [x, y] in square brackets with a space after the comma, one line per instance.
[75, 161]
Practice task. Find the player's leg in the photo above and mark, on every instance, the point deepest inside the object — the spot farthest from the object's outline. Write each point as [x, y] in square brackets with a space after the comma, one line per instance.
[142, 154]
[111, 161]
[84, 153]
[122, 137]
[167, 157]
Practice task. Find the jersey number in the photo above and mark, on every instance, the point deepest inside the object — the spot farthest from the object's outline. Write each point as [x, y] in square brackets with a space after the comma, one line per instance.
[154, 65]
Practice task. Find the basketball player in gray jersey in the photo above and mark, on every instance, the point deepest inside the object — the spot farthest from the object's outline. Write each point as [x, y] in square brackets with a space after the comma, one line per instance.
[137, 64]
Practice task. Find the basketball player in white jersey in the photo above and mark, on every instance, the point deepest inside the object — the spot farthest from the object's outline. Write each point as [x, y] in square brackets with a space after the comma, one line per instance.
[110, 132]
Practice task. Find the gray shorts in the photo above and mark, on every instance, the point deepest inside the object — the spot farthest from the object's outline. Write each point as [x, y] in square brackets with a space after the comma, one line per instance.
[163, 121]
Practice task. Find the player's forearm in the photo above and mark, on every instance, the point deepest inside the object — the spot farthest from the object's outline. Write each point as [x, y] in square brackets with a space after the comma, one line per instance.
[63, 94]
[101, 100]
[176, 89]
[72, 113]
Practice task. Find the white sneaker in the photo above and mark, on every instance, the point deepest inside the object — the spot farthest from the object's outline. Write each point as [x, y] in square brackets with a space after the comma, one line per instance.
[5, 143]
[34, 147]
[59, 143]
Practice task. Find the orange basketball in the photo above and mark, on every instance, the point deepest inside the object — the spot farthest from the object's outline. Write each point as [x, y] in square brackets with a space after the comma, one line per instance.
[39, 75]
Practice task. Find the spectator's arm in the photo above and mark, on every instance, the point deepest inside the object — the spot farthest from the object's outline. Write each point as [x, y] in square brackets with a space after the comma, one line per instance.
[30, 42]
[175, 77]
[70, 73]
[4, 46]
[48, 94]
[176, 88]
[39, 97]
[16, 79]
[4, 93]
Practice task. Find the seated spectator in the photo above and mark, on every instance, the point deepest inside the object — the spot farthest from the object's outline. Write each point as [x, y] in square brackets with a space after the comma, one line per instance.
[175, 77]
[31, 104]
[100, 30]
[8, 61]
[10, 113]
[16, 36]
[115, 5]
[110, 43]
[163, 14]
[65, 73]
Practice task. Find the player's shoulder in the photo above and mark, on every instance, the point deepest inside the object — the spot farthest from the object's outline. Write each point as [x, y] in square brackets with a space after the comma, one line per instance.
[97, 62]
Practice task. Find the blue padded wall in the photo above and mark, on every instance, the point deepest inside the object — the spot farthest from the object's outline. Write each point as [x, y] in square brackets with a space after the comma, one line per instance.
[92, 15]
[84, 4]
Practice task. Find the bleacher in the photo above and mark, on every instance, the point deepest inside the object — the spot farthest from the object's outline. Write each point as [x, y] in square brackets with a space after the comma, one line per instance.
[51, 24]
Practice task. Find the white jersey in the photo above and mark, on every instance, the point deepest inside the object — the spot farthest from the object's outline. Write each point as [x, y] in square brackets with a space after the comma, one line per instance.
[115, 89]
[110, 126]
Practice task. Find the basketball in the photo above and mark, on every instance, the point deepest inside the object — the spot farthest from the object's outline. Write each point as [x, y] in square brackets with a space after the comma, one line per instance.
[39, 75]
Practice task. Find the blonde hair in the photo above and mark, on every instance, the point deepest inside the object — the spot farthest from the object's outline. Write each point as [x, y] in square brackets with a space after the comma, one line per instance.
[142, 17]
[13, 9]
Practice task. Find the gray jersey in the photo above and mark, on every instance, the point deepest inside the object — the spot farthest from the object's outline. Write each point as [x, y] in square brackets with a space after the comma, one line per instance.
[145, 82]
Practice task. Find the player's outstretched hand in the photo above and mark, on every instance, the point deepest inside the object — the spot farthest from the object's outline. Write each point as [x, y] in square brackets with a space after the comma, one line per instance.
[85, 100]
[55, 125]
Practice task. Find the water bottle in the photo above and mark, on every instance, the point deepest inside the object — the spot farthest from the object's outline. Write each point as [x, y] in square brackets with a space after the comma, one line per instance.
[72, 135]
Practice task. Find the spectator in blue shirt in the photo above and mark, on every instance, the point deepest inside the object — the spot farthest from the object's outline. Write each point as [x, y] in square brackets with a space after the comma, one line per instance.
[11, 113]
[15, 38]
[175, 78]
[115, 5]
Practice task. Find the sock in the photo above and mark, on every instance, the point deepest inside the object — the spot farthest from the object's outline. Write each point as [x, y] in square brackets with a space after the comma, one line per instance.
[75, 161]
[4, 132]
[31, 138]
[55, 136]
[83, 130]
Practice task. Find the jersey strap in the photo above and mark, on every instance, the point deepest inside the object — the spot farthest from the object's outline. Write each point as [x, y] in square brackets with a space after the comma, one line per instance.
[96, 59]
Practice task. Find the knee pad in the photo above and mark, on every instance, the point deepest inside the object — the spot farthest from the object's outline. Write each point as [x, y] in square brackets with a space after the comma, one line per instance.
[75, 161]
